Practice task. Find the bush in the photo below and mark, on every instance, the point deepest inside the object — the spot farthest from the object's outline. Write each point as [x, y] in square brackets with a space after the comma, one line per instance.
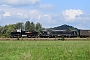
[63, 38]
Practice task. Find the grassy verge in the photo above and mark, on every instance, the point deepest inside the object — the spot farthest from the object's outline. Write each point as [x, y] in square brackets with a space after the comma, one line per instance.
[44, 50]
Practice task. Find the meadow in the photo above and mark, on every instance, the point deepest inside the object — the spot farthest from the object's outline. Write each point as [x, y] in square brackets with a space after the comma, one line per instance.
[44, 50]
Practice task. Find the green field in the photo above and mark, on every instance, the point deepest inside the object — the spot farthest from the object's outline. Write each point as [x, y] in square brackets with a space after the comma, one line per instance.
[44, 50]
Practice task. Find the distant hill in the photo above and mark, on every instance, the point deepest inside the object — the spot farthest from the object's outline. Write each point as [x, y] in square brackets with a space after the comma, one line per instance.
[64, 27]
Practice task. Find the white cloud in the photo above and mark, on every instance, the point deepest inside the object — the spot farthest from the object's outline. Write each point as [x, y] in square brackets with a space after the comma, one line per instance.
[46, 6]
[19, 2]
[23, 16]
[6, 14]
[9, 15]
[35, 15]
[5, 5]
[20, 14]
[11, 11]
[38, 16]
[72, 13]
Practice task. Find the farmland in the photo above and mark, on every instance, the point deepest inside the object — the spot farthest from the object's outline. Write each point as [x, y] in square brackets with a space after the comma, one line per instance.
[44, 50]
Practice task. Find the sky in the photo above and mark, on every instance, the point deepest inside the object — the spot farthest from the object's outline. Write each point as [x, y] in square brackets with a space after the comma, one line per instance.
[50, 13]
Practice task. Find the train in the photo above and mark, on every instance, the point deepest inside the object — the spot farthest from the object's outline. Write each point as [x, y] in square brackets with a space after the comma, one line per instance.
[58, 33]
[20, 33]
[51, 34]
[84, 33]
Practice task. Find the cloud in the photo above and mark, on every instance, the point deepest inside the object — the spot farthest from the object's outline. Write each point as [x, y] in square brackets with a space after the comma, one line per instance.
[72, 13]
[20, 14]
[83, 17]
[38, 16]
[10, 17]
[5, 5]
[19, 2]
[7, 14]
[46, 6]
[34, 14]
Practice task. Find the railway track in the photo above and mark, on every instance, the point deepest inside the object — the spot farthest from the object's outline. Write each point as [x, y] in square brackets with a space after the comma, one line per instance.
[44, 39]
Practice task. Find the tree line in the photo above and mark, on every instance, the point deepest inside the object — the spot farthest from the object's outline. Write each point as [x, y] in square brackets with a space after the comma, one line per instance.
[28, 26]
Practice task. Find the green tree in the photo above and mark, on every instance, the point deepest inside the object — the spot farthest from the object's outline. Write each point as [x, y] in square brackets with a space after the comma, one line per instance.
[0, 29]
[32, 27]
[38, 27]
[20, 25]
[10, 28]
[5, 31]
[27, 26]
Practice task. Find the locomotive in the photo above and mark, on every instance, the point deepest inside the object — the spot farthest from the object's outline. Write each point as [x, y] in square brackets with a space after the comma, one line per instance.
[20, 33]
[51, 34]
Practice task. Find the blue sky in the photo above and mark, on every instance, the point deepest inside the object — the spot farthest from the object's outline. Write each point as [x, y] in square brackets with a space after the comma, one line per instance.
[50, 13]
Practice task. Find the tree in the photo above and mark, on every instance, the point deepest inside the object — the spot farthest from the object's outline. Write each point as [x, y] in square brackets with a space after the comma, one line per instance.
[20, 25]
[5, 30]
[27, 26]
[38, 27]
[10, 28]
[32, 27]
[0, 29]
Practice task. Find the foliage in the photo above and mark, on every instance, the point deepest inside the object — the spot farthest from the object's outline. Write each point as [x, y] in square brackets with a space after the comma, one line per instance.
[39, 27]
[32, 27]
[27, 26]
[44, 50]
[20, 25]
[5, 30]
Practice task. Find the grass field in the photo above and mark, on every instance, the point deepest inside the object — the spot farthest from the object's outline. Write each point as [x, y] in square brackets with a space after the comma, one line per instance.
[44, 50]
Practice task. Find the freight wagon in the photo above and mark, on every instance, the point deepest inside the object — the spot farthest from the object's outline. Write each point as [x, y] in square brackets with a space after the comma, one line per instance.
[84, 33]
